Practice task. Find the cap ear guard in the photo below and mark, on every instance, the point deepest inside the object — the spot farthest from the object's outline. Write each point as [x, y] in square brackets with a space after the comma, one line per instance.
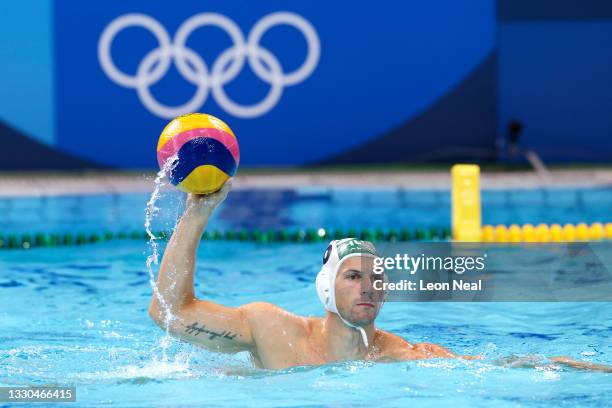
[327, 253]
[323, 288]
[325, 282]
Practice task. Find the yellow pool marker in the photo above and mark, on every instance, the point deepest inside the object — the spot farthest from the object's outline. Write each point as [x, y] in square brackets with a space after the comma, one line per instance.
[596, 232]
[467, 218]
[542, 233]
[608, 230]
[466, 211]
[515, 232]
[556, 233]
[569, 232]
[528, 233]
[501, 234]
[488, 233]
[547, 233]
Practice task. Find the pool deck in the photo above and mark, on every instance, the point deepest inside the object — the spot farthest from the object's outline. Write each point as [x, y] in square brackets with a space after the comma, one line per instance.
[52, 184]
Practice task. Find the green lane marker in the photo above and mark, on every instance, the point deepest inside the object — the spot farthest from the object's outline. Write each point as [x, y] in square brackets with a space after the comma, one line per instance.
[283, 235]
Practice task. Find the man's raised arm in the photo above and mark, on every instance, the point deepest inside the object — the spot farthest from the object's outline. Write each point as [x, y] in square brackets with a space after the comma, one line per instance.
[205, 323]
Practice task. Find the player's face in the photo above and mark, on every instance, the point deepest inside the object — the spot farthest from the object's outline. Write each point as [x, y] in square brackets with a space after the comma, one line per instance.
[356, 299]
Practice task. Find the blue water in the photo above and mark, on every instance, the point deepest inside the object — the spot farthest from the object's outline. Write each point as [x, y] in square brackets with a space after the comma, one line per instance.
[78, 315]
[307, 208]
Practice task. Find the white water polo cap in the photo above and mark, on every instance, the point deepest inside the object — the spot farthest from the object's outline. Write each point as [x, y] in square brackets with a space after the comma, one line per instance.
[336, 253]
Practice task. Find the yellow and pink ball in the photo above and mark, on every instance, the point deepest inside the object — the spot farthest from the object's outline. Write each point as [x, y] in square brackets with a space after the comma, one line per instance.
[200, 153]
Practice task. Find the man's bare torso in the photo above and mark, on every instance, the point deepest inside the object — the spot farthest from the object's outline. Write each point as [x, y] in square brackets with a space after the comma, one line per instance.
[289, 340]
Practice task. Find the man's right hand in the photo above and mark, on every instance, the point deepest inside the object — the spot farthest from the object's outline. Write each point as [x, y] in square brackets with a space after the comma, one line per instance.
[202, 205]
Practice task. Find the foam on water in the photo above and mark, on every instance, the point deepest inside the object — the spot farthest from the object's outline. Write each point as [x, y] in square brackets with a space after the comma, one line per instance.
[153, 370]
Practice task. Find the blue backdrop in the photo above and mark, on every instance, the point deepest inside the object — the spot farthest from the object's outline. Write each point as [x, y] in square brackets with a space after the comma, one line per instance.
[376, 69]
[555, 67]
[92, 84]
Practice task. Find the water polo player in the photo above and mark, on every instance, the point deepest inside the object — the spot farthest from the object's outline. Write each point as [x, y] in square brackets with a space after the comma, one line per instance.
[274, 337]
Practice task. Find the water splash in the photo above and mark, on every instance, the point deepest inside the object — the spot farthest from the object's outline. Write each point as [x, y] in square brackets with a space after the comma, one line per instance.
[141, 373]
[151, 211]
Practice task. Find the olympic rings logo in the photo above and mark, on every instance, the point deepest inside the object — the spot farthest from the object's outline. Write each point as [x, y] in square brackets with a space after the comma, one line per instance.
[195, 70]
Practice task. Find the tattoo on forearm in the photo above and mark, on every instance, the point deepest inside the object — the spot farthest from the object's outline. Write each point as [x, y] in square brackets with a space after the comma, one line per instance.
[195, 330]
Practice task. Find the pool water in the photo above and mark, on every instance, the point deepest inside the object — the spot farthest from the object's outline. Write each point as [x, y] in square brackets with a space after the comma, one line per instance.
[78, 316]
[310, 207]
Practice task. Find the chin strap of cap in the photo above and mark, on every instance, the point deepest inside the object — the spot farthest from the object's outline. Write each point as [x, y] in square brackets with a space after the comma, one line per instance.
[364, 335]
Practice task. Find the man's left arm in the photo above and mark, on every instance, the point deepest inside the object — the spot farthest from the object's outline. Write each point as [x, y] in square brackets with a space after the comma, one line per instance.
[430, 350]
[400, 350]
[581, 365]
[424, 351]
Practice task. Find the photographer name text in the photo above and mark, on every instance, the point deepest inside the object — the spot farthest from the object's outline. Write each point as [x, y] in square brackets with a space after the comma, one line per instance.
[421, 285]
